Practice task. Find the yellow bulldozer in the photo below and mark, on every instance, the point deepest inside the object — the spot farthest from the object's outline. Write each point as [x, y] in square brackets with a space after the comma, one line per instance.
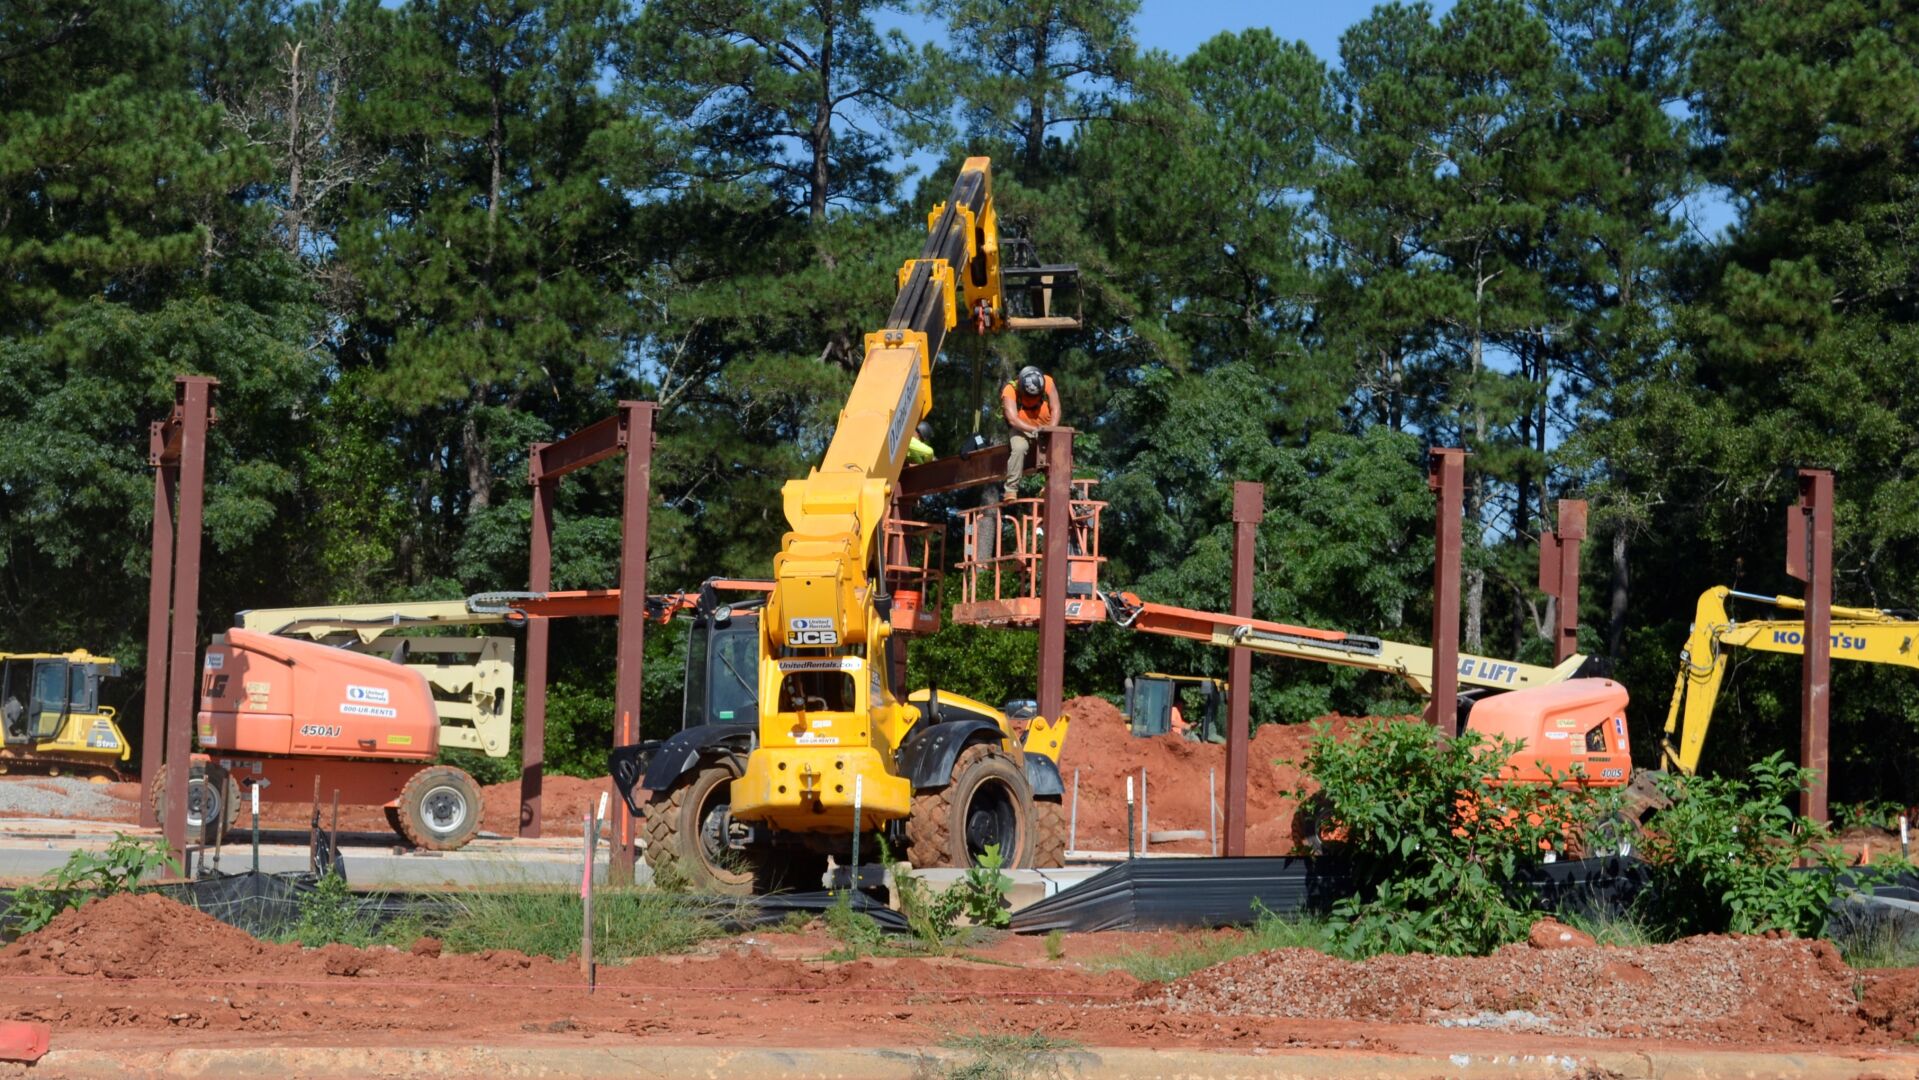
[51, 719]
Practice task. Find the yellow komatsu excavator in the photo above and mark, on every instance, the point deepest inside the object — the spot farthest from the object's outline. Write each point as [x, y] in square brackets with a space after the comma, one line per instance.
[51, 719]
[838, 750]
[1863, 635]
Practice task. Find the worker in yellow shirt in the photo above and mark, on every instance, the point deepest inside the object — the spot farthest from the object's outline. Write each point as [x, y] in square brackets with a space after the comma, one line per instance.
[919, 449]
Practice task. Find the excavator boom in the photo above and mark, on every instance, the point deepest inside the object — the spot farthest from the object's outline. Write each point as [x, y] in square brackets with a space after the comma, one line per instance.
[1862, 635]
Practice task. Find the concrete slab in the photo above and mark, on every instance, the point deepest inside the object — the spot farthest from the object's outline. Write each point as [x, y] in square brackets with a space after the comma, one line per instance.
[31, 847]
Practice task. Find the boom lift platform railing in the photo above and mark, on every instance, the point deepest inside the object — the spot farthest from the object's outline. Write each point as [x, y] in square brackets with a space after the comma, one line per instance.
[1001, 571]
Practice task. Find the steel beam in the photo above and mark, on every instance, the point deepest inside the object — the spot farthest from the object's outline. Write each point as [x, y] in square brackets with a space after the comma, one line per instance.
[1809, 558]
[956, 473]
[159, 604]
[533, 717]
[1447, 478]
[637, 422]
[1249, 508]
[590, 445]
[1559, 575]
[194, 395]
[1058, 523]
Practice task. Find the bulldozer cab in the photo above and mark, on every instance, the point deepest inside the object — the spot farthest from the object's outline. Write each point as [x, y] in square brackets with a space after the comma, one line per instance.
[723, 665]
[39, 691]
[1151, 698]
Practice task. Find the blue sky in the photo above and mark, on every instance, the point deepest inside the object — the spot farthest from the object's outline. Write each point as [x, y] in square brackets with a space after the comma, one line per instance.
[1179, 26]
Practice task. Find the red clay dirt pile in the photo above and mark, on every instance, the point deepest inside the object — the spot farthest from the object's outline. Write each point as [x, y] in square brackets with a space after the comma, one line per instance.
[1710, 988]
[1102, 747]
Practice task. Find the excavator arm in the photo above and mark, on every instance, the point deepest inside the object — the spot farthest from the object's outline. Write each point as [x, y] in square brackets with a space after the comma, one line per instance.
[1864, 635]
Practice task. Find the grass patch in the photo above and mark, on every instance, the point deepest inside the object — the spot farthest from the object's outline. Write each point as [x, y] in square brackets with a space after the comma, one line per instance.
[1868, 940]
[1196, 952]
[332, 914]
[546, 922]
[860, 936]
[1625, 928]
[995, 1056]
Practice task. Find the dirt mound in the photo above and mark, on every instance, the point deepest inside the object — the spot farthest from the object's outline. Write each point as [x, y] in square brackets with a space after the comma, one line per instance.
[564, 800]
[1726, 989]
[129, 936]
[1103, 749]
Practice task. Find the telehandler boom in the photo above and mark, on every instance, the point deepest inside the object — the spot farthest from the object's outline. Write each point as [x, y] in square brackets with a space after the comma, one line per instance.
[837, 749]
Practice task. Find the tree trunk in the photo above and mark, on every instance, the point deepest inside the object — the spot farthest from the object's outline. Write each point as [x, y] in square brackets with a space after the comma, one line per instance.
[479, 469]
[1621, 582]
[822, 134]
[1036, 99]
[1474, 633]
[294, 151]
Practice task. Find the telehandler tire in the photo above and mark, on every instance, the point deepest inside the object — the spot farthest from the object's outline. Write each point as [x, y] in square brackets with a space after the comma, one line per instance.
[205, 825]
[439, 809]
[1049, 839]
[987, 801]
[685, 835]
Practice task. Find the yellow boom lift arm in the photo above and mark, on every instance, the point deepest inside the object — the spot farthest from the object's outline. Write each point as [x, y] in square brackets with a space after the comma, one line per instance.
[1865, 635]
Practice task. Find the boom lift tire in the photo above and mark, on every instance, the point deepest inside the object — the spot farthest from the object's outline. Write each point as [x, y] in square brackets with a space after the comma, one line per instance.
[1049, 837]
[987, 801]
[685, 834]
[439, 809]
[393, 819]
[208, 824]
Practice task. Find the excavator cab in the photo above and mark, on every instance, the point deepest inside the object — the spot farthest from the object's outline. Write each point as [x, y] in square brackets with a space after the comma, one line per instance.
[1152, 697]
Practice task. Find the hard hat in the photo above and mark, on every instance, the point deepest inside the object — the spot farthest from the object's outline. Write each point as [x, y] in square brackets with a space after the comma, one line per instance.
[1031, 380]
[924, 431]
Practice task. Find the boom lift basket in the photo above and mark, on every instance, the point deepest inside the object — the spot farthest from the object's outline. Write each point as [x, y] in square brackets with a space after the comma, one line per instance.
[1000, 574]
[915, 552]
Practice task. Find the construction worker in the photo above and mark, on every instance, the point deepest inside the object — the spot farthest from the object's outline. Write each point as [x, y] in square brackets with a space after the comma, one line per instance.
[919, 449]
[1030, 403]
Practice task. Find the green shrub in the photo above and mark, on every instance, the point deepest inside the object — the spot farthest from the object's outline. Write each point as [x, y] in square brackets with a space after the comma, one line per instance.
[332, 915]
[1723, 854]
[1439, 853]
[1873, 814]
[89, 875]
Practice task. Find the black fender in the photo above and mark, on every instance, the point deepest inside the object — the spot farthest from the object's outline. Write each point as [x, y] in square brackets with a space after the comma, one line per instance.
[1043, 775]
[658, 764]
[926, 758]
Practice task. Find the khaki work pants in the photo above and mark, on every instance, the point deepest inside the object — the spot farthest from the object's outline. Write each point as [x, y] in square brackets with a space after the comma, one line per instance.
[1021, 446]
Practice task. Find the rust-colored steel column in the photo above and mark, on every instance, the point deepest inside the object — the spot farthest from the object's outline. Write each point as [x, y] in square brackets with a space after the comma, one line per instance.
[1447, 478]
[1249, 509]
[1057, 513]
[1809, 558]
[1559, 575]
[533, 717]
[159, 603]
[636, 421]
[195, 395]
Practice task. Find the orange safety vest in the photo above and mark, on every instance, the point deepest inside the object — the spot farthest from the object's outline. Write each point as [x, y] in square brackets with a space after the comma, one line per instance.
[1037, 411]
